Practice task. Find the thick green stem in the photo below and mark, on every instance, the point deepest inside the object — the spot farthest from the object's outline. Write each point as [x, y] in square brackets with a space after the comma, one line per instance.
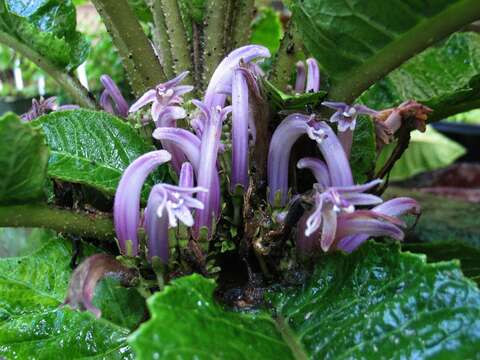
[160, 37]
[42, 216]
[243, 12]
[287, 56]
[181, 50]
[457, 108]
[71, 84]
[214, 32]
[352, 84]
[143, 68]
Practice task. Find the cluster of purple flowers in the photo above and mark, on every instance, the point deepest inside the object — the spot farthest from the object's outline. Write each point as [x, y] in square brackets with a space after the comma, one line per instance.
[341, 218]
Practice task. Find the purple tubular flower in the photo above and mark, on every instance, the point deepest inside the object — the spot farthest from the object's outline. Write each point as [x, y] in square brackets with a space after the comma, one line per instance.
[126, 208]
[286, 134]
[44, 106]
[182, 140]
[300, 78]
[313, 77]
[224, 72]
[112, 99]
[207, 171]
[163, 95]
[240, 122]
[166, 205]
[318, 168]
[394, 207]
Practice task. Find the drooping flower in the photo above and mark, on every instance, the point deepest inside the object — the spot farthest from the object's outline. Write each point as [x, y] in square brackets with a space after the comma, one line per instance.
[168, 204]
[165, 99]
[207, 171]
[111, 99]
[44, 106]
[220, 84]
[126, 208]
[332, 201]
[318, 168]
[346, 117]
[285, 136]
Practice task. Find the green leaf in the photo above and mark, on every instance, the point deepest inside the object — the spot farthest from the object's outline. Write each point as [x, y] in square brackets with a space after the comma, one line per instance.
[188, 323]
[267, 29]
[445, 78]
[23, 160]
[358, 42]
[364, 154]
[90, 147]
[376, 302]
[427, 151]
[46, 26]
[33, 323]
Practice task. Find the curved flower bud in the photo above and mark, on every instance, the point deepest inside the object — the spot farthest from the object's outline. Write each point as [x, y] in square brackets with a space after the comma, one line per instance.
[300, 78]
[207, 172]
[313, 77]
[44, 106]
[224, 72]
[182, 140]
[168, 204]
[186, 175]
[126, 208]
[318, 168]
[111, 99]
[240, 122]
[286, 134]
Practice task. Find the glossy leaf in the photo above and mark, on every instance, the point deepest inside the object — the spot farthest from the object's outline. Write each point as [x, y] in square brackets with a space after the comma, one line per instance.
[90, 147]
[33, 323]
[358, 42]
[23, 160]
[22, 242]
[267, 30]
[46, 26]
[426, 151]
[376, 302]
[445, 78]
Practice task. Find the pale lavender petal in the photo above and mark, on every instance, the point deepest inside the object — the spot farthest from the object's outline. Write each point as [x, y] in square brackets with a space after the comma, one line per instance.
[182, 139]
[301, 77]
[399, 206]
[315, 219]
[175, 81]
[126, 209]
[313, 77]
[352, 242]
[240, 121]
[362, 199]
[318, 168]
[186, 176]
[168, 116]
[339, 106]
[145, 99]
[360, 188]
[362, 109]
[156, 227]
[329, 229]
[182, 89]
[285, 135]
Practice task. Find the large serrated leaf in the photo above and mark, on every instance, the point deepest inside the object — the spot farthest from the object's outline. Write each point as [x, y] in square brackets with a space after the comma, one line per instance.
[23, 161]
[358, 42]
[47, 27]
[374, 303]
[446, 78]
[90, 147]
[33, 323]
